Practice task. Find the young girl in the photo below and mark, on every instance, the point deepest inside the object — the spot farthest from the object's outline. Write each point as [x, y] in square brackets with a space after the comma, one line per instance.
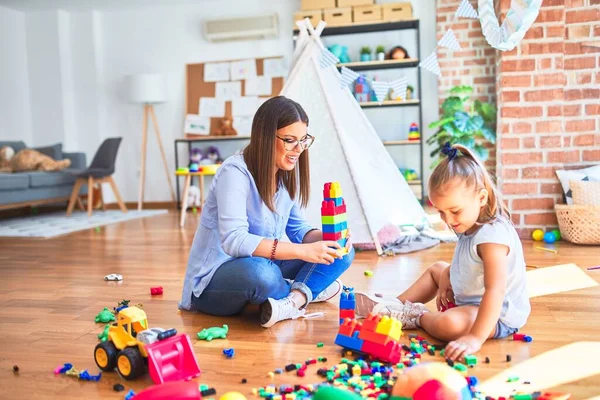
[255, 199]
[486, 279]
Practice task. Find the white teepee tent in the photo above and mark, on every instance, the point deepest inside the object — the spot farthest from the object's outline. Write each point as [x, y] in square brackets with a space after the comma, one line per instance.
[347, 148]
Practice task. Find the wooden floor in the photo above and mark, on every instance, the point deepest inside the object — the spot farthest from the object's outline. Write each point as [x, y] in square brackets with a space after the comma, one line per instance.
[52, 289]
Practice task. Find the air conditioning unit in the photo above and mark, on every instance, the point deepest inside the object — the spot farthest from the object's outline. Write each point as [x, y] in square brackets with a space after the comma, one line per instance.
[251, 28]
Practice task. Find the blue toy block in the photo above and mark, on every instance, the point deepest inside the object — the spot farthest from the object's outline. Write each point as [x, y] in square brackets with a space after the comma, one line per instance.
[336, 200]
[336, 227]
[347, 301]
[352, 343]
[343, 242]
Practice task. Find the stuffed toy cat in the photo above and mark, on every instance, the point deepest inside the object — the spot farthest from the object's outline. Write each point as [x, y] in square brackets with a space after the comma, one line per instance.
[28, 160]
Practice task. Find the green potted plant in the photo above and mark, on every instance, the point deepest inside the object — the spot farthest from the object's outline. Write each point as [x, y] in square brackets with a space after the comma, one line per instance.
[464, 122]
[365, 53]
[409, 92]
[380, 50]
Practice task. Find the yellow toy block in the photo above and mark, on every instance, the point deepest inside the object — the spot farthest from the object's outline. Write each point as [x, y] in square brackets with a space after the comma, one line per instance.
[335, 191]
[390, 327]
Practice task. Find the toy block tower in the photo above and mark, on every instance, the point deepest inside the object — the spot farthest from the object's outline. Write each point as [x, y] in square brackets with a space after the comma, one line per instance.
[347, 304]
[333, 215]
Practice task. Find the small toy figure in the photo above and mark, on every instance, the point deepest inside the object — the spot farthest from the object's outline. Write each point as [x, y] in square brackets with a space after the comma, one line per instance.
[103, 336]
[195, 157]
[156, 290]
[213, 156]
[397, 53]
[362, 90]
[414, 132]
[213, 333]
[226, 128]
[113, 277]
[105, 316]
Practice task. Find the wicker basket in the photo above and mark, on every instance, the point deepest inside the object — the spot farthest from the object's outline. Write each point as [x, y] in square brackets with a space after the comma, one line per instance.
[585, 193]
[579, 224]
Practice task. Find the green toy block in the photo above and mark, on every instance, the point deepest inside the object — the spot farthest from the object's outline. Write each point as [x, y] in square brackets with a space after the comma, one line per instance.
[512, 379]
[460, 367]
[333, 219]
[523, 396]
[471, 360]
[320, 344]
[442, 352]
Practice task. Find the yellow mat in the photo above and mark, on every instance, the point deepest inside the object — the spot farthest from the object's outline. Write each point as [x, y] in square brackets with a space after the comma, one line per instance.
[545, 371]
[557, 279]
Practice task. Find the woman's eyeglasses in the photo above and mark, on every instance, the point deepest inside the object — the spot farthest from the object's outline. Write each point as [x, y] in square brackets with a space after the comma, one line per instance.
[290, 144]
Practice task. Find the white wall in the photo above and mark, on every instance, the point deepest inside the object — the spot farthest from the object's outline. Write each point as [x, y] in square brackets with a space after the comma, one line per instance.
[15, 113]
[77, 62]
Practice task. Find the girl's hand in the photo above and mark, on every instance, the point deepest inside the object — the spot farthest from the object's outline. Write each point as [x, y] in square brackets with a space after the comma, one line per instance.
[463, 346]
[321, 252]
[444, 293]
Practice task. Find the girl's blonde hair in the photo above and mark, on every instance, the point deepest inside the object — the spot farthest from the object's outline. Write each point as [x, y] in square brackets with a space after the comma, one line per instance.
[462, 164]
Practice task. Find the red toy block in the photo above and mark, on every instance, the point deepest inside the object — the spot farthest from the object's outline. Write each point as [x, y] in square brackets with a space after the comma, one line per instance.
[156, 290]
[172, 359]
[374, 337]
[332, 236]
[371, 322]
[349, 327]
[171, 391]
[450, 305]
[347, 314]
[389, 353]
[329, 209]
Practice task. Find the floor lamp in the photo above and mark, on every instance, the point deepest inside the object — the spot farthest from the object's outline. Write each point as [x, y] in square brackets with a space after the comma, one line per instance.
[148, 89]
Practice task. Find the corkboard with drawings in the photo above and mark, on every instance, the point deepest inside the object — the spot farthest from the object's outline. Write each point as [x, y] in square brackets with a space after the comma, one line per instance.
[196, 88]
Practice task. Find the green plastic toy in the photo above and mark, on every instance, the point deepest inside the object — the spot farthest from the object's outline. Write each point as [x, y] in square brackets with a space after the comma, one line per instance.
[213, 333]
[103, 336]
[105, 316]
[331, 393]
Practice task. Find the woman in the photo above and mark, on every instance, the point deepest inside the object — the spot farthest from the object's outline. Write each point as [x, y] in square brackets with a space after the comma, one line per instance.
[256, 197]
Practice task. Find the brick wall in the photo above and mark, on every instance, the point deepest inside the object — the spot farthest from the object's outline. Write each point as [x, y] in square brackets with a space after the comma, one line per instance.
[548, 98]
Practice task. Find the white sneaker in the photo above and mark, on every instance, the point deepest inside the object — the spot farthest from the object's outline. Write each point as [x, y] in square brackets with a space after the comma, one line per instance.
[407, 313]
[272, 311]
[330, 292]
[365, 302]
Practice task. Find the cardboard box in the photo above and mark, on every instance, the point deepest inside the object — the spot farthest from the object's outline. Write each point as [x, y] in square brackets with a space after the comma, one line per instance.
[367, 13]
[338, 16]
[313, 15]
[352, 3]
[397, 11]
[316, 4]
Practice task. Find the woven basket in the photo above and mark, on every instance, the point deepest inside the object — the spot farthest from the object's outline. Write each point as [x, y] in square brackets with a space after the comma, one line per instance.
[585, 193]
[579, 224]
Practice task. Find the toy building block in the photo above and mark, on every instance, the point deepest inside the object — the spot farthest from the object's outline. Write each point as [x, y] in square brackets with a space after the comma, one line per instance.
[390, 327]
[349, 327]
[172, 360]
[349, 342]
[347, 314]
[171, 390]
[332, 236]
[333, 219]
[156, 290]
[332, 228]
[391, 352]
[347, 305]
[471, 360]
[333, 216]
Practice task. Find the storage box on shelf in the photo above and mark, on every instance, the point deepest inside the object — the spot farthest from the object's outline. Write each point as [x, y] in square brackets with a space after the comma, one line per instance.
[370, 13]
[352, 3]
[396, 11]
[316, 4]
[313, 15]
[338, 16]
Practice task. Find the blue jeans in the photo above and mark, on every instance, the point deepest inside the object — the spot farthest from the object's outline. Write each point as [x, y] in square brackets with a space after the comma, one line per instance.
[255, 279]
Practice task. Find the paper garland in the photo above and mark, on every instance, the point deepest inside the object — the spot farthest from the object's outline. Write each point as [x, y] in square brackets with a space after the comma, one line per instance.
[466, 10]
[520, 17]
[449, 41]
[399, 87]
[348, 76]
[431, 64]
[381, 89]
[328, 59]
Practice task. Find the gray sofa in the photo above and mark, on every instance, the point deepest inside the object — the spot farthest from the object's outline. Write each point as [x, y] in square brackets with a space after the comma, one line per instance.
[32, 188]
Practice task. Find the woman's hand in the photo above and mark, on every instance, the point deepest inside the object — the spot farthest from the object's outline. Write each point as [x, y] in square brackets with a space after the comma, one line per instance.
[321, 252]
[444, 293]
[463, 346]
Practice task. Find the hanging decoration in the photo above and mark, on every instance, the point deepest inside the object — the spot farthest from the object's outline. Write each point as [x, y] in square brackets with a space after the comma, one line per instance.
[449, 41]
[520, 17]
[381, 89]
[466, 10]
[399, 87]
[328, 59]
[431, 64]
[348, 76]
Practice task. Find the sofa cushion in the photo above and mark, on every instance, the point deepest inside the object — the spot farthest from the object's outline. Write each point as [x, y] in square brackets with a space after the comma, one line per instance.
[45, 179]
[54, 151]
[17, 181]
[17, 146]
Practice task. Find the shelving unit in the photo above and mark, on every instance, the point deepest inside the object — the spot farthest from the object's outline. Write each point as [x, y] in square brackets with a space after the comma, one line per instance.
[359, 28]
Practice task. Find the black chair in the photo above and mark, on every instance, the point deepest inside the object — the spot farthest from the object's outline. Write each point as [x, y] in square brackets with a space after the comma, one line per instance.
[100, 171]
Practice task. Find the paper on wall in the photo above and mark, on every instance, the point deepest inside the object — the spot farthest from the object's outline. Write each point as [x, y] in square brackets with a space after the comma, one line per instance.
[227, 91]
[260, 85]
[211, 107]
[215, 72]
[243, 125]
[243, 69]
[197, 124]
[274, 67]
[244, 106]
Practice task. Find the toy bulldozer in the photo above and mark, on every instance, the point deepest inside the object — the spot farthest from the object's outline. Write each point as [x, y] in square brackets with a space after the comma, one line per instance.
[131, 346]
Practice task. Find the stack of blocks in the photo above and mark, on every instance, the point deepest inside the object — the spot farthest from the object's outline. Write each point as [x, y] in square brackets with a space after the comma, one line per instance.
[377, 336]
[333, 216]
[347, 304]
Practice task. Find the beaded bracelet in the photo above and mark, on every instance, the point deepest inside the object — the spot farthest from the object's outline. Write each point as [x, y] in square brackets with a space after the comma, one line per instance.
[275, 242]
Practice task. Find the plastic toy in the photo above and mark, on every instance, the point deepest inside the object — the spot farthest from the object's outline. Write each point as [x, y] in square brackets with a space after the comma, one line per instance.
[341, 52]
[376, 336]
[333, 216]
[103, 336]
[233, 396]
[556, 234]
[409, 174]
[104, 316]
[121, 305]
[129, 394]
[449, 306]
[130, 342]
[347, 305]
[537, 235]
[431, 381]
[117, 387]
[522, 337]
[229, 353]
[15, 369]
[362, 91]
[414, 132]
[195, 158]
[549, 237]
[156, 290]
[213, 333]
[113, 277]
